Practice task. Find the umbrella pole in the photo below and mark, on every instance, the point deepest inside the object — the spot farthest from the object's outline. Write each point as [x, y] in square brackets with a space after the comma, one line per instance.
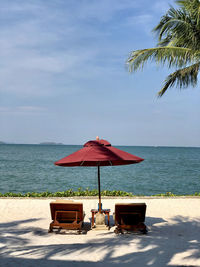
[99, 187]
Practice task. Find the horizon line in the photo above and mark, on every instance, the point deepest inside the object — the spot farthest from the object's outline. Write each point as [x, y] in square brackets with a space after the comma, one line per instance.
[62, 144]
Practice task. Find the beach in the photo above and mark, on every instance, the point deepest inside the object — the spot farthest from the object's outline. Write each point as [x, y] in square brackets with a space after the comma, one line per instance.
[173, 237]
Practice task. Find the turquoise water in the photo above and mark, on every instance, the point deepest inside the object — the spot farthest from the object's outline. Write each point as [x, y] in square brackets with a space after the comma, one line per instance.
[27, 168]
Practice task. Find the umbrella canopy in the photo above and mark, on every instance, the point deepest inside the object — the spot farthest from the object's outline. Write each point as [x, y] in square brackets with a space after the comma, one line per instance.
[98, 153]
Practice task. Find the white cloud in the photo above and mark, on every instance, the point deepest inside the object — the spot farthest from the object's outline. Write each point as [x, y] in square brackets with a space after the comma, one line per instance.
[139, 19]
[40, 50]
[15, 6]
[104, 10]
[145, 22]
[23, 110]
[161, 7]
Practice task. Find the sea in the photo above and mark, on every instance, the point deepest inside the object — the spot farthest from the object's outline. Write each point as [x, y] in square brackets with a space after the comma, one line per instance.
[30, 168]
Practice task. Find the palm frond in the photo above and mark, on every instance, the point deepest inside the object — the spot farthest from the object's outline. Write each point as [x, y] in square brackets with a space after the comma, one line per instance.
[178, 25]
[173, 56]
[178, 45]
[181, 78]
[192, 6]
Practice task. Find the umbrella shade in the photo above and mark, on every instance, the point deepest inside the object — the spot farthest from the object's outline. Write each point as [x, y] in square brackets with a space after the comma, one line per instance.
[98, 153]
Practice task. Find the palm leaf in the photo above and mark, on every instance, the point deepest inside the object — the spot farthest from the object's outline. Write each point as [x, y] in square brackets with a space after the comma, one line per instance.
[173, 56]
[178, 45]
[181, 78]
[179, 28]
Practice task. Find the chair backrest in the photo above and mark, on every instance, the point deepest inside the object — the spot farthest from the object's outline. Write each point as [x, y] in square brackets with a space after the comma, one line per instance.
[66, 206]
[64, 200]
[130, 212]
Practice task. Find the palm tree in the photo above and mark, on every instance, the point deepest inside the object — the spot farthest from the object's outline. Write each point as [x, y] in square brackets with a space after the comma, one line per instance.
[178, 46]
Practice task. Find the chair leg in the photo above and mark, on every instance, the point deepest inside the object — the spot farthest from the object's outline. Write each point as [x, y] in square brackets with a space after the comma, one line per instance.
[142, 228]
[50, 229]
[144, 231]
[118, 230]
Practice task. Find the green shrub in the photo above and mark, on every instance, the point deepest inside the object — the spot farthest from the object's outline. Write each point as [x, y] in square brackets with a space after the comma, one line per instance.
[80, 192]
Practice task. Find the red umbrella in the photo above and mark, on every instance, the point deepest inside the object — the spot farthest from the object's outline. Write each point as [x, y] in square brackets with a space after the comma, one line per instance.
[98, 153]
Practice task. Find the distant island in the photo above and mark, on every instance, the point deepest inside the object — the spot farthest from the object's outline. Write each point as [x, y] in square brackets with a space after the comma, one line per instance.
[2, 143]
[51, 143]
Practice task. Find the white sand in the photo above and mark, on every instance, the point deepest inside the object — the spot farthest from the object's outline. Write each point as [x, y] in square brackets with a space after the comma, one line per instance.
[173, 238]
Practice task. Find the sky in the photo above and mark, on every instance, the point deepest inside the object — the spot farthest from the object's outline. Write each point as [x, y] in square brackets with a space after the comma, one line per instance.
[64, 77]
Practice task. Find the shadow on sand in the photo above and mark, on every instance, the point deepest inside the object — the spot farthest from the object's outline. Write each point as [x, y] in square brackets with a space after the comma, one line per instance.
[157, 248]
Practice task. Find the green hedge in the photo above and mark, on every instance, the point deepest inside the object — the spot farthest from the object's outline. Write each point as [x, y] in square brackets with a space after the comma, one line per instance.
[87, 192]
[68, 193]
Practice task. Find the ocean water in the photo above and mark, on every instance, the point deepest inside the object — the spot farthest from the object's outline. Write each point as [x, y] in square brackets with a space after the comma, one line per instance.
[27, 168]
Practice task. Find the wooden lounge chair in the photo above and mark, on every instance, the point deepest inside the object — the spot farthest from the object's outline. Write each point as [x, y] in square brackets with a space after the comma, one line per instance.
[66, 215]
[130, 217]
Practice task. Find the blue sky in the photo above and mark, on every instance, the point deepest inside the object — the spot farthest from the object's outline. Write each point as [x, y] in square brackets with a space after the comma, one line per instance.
[63, 76]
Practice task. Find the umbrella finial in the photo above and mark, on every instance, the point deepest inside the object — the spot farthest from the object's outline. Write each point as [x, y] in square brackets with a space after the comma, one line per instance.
[97, 138]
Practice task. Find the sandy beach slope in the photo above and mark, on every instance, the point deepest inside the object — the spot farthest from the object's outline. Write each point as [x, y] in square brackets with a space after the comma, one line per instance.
[173, 238]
